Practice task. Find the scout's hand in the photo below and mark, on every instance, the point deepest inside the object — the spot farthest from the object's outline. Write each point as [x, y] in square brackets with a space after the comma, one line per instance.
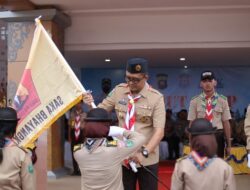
[248, 163]
[115, 131]
[88, 98]
[227, 151]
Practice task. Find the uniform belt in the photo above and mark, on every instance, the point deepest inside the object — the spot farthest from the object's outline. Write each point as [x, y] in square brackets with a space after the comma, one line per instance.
[219, 131]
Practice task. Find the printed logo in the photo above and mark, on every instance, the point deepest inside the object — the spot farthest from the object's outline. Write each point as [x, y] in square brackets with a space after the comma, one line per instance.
[26, 99]
[162, 80]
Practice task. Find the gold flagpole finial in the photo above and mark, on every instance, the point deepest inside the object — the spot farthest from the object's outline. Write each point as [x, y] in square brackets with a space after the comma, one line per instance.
[37, 20]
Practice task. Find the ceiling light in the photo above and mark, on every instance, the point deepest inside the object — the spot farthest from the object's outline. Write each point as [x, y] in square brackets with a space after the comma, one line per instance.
[182, 59]
[107, 60]
[185, 66]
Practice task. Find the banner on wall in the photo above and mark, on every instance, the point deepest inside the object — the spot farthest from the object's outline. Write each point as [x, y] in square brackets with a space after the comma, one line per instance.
[48, 88]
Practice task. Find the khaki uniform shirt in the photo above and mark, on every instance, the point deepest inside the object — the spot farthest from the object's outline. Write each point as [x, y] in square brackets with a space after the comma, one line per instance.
[149, 109]
[247, 127]
[16, 170]
[102, 169]
[221, 110]
[217, 176]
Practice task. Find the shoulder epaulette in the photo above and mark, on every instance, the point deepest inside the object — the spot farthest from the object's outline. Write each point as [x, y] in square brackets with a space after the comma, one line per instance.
[223, 97]
[111, 92]
[77, 147]
[181, 158]
[113, 143]
[154, 91]
[195, 97]
[122, 85]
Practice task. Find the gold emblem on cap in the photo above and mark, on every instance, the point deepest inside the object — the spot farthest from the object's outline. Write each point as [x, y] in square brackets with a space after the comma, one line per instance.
[138, 68]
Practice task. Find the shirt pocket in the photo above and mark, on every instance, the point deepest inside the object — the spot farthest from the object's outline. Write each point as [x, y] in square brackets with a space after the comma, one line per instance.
[121, 111]
[144, 115]
[201, 112]
[218, 112]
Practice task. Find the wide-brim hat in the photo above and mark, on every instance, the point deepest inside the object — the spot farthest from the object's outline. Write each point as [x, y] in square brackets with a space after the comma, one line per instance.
[8, 114]
[98, 115]
[201, 127]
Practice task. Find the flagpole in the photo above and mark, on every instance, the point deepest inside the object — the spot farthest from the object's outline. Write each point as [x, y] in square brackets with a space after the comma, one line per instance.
[39, 24]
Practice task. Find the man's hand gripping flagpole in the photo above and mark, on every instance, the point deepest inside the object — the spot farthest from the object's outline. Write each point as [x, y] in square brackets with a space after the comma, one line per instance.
[88, 99]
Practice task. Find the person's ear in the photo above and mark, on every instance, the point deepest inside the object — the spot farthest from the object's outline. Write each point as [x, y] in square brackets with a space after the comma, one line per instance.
[201, 84]
[215, 83]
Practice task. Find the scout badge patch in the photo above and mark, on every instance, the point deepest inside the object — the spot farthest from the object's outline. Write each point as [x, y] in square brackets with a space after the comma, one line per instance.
[30, 169]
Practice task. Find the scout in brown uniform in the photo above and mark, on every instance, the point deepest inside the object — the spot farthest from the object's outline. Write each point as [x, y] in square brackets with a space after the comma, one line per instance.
[99, 159]
[16, 169]
[201, 169]
[149, 120]
[247, 131]
[76, 131]
[214, 107]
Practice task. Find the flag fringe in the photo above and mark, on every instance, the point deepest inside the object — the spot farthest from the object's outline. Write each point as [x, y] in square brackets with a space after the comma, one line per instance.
[31, 141]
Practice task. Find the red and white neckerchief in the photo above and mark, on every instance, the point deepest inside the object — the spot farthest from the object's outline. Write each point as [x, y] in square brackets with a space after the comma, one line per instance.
[209, 109]
[198, 159]
[130, 115]
[130, 118]
[77, 125]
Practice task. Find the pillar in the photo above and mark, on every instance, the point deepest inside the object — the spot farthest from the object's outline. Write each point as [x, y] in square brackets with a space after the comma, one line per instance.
[21, 25]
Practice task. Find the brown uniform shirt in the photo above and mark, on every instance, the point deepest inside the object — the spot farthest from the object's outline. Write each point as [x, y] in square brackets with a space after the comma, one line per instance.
[16, 170]
[217, 176]
[101, 169]
[221, 110]
[149, 109]
[247, 127]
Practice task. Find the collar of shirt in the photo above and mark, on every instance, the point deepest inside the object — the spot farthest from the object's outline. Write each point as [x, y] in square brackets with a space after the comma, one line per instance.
[203, 95]
[143, 92]
[8, 142]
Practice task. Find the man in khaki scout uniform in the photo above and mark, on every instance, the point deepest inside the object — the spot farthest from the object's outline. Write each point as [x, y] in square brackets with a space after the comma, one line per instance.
[16, 169]
[214, 107]
[247, 131]
[138, 103]
[202, 169]
[99, 159]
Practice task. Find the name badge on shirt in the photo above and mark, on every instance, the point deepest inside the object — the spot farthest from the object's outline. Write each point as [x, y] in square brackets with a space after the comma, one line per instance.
[122, 102]
[145, 107]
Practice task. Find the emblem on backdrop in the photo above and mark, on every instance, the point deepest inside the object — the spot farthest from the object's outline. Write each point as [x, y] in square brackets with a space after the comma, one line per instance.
[162, 80]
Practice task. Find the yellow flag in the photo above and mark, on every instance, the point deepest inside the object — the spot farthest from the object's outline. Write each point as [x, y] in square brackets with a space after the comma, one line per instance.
[48, 88]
